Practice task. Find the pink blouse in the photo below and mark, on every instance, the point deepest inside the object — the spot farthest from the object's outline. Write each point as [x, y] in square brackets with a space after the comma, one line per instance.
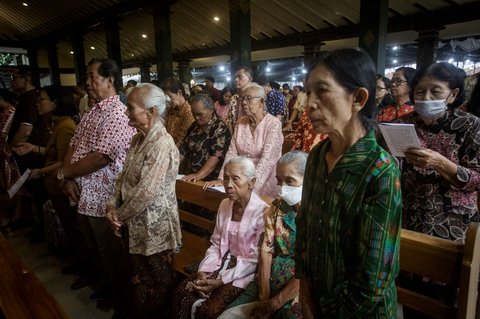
[263, 147]
[243, 244]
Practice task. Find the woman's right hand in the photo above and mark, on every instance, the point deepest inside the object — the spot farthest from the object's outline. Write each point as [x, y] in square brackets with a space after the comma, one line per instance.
[23, 148]
[217, 182]
[113, 219]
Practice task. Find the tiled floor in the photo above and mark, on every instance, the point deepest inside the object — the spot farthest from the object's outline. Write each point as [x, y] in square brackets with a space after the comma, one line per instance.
[47, 267]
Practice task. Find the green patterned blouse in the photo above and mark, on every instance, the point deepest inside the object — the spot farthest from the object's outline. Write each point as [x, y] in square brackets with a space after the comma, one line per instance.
[348, 237]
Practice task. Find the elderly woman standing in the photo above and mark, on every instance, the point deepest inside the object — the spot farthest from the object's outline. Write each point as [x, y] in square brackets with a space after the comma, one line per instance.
[401, 88]
[206, 142]
[440, 181]
[145, 204]
[230, 262]
[258, 136]
[348, 226]
[179, 115]
[275, 292]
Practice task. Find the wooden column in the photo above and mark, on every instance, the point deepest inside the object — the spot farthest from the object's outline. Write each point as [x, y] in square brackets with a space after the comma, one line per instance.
[112, 33]
[33, 62]
[145, 73]
[79, 58]
[184, 71]
[53, 62]
[240, 41]
[373, 30]
[427, 47]
[163, 41]
[311, 52]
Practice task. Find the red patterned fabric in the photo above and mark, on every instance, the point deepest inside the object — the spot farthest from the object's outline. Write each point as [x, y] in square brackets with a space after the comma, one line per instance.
[391, 112]
[305, 137]
[103, 129]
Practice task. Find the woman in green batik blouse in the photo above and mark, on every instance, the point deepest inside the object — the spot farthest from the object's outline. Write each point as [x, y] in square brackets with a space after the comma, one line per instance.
[347, 247]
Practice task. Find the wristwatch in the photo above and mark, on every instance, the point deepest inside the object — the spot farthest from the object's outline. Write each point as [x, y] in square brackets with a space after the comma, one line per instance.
[60, 175]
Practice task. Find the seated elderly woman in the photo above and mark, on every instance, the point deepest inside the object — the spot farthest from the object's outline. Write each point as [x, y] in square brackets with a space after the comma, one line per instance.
[275, 292]
[258, 136]
[206, 142]
[440, 181]
[230, 262]
[143, 210]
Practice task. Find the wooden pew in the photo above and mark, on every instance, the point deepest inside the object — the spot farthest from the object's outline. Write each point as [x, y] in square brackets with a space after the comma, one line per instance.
[445, 261]
[194, 246]
[22, 295]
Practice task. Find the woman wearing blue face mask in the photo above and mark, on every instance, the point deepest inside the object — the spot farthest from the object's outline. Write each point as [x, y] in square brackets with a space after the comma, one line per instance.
[440, 180]
[274, 293]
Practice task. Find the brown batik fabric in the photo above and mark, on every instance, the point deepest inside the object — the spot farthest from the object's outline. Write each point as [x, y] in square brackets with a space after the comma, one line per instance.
[211, 307]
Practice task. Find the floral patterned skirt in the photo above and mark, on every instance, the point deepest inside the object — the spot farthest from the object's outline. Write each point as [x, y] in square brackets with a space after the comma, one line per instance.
[211, 307]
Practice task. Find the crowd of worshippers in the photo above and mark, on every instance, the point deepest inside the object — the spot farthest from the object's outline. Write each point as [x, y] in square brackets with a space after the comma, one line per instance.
[104, 163]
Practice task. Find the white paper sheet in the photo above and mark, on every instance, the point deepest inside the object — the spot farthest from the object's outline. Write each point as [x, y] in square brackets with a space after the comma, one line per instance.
[16, 186]
[399, 137]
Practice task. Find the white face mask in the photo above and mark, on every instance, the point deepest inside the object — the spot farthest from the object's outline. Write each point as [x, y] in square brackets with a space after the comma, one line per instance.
[430, 109]
[291, 194]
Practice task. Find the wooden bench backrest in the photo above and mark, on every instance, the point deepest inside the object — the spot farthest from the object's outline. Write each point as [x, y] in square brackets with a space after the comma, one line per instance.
[444, 261]
[194, 246]
[22, 295]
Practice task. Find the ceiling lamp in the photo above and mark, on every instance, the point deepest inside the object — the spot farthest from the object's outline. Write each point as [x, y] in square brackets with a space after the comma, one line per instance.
[144, 36]
[25, 4]
[216, 19]
[92, 47]
[71, 52]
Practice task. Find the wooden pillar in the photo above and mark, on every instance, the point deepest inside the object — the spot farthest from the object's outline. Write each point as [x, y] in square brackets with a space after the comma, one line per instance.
[145, 73]
[311, 52]
[184, 71]
[240, 41]
[53, 62]
[79, 58]
[373, 30]
[163, 41]
[427, 47]
[112, 33]
[33, 62]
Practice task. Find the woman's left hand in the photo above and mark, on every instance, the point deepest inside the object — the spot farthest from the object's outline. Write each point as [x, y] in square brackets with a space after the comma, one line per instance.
[425, 158]
[113, 219]
[191, 178]
[35, 174]
[206, 286]
[265, 309]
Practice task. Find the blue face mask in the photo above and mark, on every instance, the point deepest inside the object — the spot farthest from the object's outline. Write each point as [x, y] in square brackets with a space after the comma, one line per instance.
[430, 109]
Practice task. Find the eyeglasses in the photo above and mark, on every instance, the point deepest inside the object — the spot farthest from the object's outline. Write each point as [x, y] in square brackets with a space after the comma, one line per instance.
[248, 98]
[397, 82]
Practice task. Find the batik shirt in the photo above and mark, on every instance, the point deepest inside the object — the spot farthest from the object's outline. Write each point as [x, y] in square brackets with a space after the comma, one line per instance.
[177, 122]
[431, 204]
[348, 231]
[391, 112]
[103, 129]
[199, 146]
[275, 103]
[305, 137]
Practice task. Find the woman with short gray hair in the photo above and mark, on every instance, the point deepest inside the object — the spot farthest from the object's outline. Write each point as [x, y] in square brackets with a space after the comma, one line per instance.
[258, 136]
[206, 142]
[143, 210]
[230, 262]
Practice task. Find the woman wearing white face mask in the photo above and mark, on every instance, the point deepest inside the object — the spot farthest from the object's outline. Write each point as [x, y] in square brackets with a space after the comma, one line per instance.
[440, 180]
[274, 293]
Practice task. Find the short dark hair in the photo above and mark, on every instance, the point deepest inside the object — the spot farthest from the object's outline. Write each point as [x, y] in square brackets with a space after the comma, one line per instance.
[210, 78]
[300, 88]
[409, 74]
[172, 85]
[446, 72]
[132, 82]
[274, 85]
[384, 79]
[64, 99]
[226, 89]
[8, 96]
[352, 69]
[109, 68]
[247, 70]
[285, 85]
[25, 71]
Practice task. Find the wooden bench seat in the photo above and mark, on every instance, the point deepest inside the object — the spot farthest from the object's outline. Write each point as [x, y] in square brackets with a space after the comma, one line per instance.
[445, 261]
[195, 246]
[22, 295]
